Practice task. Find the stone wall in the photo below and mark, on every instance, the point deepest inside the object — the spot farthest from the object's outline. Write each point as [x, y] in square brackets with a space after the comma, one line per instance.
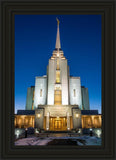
[64, 82]
[51, 81]
[76, 118]
[40, 91]
[75, 86]
[59, 110]
[85, 98]
[29, 100]
[39, 118]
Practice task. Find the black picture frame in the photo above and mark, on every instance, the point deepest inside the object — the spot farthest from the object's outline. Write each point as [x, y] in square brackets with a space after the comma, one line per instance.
[8, 10]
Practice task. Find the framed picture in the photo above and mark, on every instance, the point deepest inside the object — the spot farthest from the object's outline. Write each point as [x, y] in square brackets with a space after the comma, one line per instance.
[58, 104]
[46, 108]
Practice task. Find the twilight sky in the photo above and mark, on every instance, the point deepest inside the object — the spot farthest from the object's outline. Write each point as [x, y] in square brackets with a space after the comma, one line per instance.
[35, 37]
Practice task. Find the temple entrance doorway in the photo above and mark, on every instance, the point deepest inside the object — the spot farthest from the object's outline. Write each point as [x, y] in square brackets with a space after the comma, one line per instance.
[58, 123]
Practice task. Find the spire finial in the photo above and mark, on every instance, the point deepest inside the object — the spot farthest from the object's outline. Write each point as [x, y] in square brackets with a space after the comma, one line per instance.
[57, 21]
[58, 45]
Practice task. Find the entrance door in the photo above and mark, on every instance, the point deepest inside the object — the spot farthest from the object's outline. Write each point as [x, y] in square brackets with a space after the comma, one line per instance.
[59, 123]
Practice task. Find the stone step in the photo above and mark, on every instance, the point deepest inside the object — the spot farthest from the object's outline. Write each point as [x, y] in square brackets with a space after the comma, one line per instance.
[57, 131]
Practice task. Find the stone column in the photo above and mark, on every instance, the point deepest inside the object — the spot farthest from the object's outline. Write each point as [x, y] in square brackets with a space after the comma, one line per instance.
[23, 121]
[68, 121]
[47, 121]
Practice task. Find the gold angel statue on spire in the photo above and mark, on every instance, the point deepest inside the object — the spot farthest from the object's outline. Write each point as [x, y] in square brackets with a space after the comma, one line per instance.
[57, 21]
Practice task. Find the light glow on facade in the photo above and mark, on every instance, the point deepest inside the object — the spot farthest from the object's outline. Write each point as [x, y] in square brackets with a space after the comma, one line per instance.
[38, 115]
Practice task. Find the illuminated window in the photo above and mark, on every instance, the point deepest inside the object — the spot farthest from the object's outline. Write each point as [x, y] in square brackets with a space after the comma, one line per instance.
[57, 97]
[74, 92]
[58, 63]
[57, 76]
[40, 92]
[96, 122]
[87, 122]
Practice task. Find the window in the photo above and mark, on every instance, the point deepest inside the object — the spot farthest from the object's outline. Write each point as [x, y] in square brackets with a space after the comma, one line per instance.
[58, 64]
[40, 92]
[57, 97]
[74, 92]
[57, 76]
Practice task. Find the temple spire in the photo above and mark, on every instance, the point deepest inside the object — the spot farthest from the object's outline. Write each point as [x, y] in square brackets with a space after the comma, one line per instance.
[58, 45]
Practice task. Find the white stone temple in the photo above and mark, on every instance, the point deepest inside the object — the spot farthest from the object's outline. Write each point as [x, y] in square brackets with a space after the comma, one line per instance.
[57, 97]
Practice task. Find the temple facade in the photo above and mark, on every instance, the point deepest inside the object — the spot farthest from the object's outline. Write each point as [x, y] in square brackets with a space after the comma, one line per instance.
[58, 98]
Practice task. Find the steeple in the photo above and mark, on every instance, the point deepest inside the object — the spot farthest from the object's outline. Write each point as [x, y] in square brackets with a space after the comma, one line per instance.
[58, 45]
[58, 52]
